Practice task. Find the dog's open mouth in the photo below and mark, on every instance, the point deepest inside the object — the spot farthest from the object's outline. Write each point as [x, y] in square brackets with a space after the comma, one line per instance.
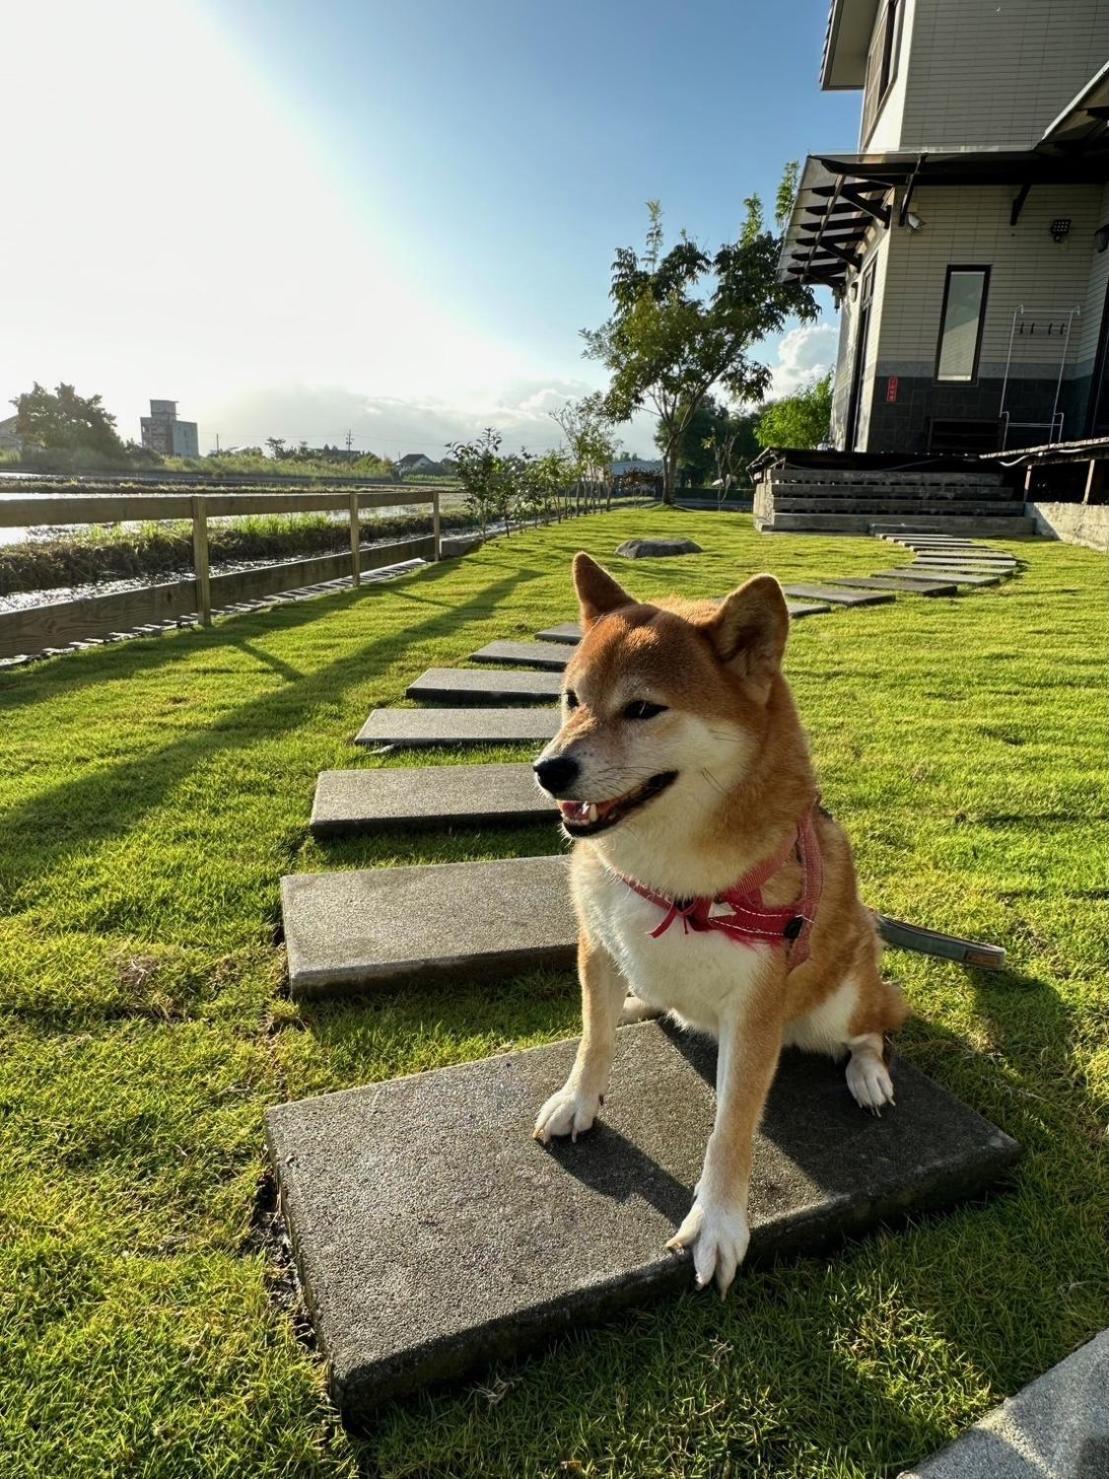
[587, 818]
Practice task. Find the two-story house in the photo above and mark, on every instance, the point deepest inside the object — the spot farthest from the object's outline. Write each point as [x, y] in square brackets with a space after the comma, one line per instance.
[967, 242]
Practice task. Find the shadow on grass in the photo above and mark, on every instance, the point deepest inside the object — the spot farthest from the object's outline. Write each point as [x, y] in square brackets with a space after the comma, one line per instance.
[105, 804]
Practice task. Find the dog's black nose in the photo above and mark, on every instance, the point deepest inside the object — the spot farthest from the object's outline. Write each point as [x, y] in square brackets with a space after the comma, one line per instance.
[555, 774]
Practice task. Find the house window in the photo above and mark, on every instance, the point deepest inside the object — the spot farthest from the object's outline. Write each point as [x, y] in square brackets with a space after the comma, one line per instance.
[961, 320]
[881, 63]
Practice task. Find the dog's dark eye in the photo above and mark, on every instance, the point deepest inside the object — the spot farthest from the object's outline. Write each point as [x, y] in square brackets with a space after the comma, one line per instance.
[571, 699]
[641, 709]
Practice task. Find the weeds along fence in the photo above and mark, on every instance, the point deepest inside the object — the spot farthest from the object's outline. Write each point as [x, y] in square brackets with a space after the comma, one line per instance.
[55, 624]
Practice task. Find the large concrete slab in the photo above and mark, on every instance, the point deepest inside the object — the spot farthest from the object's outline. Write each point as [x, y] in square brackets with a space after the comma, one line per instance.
[432, 1234]
[1055, 1428]
[908, 586]
[832, 597]
[549, 655]
[977, 562]
[488, 686]
[413, 728]
[952, 572]
[568, 632]
[431, 796]
[359, 928]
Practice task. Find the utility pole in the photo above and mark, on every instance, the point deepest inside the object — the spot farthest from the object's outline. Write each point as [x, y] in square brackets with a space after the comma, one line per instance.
[217, 443]
[349, 440]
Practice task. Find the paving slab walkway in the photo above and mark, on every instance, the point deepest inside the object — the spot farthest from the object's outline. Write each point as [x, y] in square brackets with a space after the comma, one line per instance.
[349, 801]
[906, 585]
[413, 728]
[432, 1234]
[484, 686]
[523, 654]
[1057, 1427]
[353, 929]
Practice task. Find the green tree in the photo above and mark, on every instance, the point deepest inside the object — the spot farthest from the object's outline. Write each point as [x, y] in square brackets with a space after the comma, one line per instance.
[490, 480]
[62, 419]
[798, 420]
[684, 321]
[591, 443]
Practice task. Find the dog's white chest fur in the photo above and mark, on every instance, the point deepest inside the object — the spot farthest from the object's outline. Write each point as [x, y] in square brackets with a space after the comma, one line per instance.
[701, 976]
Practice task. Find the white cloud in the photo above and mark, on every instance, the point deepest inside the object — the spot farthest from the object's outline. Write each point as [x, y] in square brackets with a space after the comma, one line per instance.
[804, 354]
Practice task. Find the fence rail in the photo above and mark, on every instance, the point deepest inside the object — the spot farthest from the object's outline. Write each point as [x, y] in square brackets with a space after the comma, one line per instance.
[54, 624]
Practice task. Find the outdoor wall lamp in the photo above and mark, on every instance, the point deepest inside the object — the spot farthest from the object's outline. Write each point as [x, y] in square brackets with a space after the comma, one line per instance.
[913, 221]
[1060, 228]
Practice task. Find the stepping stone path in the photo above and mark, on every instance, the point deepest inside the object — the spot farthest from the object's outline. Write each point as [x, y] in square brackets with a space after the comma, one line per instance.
[362, 927]
[525, 654]
[429, 1230]
[436, 796]
[413, 728]
[432, 1234]
[1055, 1428]
[491, 686]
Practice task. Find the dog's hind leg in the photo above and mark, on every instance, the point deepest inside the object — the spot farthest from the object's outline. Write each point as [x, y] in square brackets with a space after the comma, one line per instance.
[880, 1009]
[868, 1077]
[573, 1109]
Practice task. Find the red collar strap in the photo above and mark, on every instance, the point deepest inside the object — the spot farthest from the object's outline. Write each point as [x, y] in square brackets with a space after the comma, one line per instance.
[740, 912]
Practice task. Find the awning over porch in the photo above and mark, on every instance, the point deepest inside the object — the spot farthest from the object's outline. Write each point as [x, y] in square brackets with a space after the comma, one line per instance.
[842, 196]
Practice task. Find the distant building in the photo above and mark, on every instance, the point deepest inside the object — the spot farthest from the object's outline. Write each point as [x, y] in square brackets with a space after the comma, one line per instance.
[10, 441]
[414, 462]
[163, 433]
[625, 465]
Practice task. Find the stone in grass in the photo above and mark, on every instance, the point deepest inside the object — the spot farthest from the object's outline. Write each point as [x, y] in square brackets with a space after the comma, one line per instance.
[432, 1234]
[1057, 1427]
[350, 801]
[484, 686]
[649, 549]
[547, 654]
[418, 728]
[353, 929]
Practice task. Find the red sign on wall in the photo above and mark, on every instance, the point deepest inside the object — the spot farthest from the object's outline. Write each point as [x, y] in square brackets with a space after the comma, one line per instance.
[891, 388]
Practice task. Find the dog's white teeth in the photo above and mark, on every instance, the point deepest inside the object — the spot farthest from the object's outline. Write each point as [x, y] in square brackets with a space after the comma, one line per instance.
[591, 812]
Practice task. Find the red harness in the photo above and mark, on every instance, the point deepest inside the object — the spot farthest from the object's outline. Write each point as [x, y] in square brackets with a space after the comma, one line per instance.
[740, 912]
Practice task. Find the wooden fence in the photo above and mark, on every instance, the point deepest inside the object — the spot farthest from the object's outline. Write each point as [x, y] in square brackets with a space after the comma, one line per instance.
[55, 624]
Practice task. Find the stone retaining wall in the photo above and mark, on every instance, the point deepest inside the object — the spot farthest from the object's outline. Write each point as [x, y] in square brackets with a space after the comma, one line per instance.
[1075, 523]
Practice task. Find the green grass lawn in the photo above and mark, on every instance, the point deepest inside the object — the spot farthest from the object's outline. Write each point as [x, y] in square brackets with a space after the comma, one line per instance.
[154, 792]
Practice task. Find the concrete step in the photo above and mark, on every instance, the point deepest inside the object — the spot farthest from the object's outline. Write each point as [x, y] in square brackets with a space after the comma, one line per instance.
[357, 929]
[905, 584]
[930, 577]
[432, 1234]
[488, 686]
[833, 597]
[523, 654]
[417, 728]
[992, 528]
[568, 632]
[350, 801]
[888, 507]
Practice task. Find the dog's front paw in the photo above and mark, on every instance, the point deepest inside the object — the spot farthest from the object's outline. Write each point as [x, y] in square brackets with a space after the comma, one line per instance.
[569, 1112]
[719, 1236]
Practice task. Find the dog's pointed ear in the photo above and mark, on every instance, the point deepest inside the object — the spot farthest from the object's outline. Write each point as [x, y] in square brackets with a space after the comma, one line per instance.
[597, 592]
[749, 629]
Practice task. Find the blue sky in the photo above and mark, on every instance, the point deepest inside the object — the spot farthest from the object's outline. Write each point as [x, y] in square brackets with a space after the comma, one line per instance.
[295, 217]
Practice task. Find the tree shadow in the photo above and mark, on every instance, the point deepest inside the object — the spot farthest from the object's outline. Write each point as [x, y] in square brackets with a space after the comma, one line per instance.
[95, 807]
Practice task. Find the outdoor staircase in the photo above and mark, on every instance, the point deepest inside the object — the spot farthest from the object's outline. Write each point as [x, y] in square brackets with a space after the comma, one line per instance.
[852, 500]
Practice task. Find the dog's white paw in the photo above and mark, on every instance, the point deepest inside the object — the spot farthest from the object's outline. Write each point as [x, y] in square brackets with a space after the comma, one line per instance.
[569, 1112]
[719, 1237]
[635, 1010]
[869, 1081]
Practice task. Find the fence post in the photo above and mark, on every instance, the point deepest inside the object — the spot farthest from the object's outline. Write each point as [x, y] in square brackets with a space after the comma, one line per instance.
[355, 543]
[200, 561]
[435, 529]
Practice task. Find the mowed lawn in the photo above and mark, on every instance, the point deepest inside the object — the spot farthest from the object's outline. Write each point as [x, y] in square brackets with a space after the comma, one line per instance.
[153, 793]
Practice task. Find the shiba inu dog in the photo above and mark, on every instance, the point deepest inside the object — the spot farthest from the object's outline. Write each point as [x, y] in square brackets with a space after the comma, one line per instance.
[707, 880]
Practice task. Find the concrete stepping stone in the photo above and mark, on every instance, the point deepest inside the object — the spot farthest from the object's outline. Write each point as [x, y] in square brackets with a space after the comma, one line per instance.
[358, 928]
[433, 796]
[968, 562]
[1057, 1427]
[839, 598]
[950, 572]
[524, 654]
[906, 584]
[432, 1234]
[411, 728]
[491, 686]
[569, 632]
